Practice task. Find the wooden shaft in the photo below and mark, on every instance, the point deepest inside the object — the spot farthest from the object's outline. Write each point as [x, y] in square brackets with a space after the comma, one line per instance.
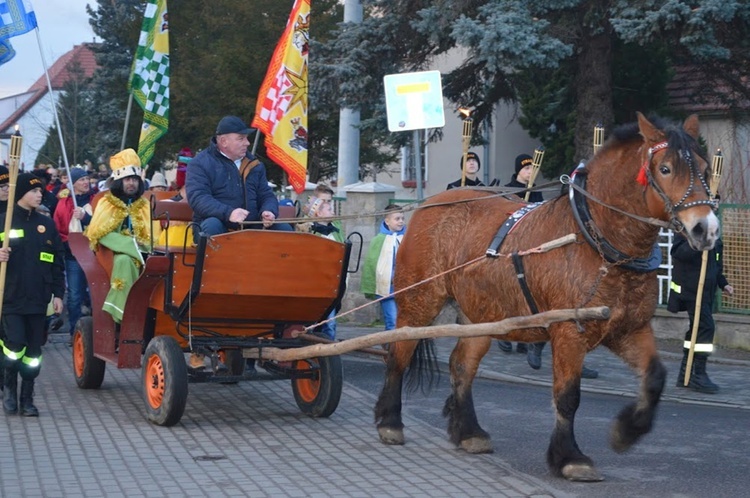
[536, 163]
[12, 180]
[696, 317]
[416, 333]
[466, 140]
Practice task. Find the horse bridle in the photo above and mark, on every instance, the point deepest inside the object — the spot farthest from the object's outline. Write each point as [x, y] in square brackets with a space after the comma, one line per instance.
[672, 209]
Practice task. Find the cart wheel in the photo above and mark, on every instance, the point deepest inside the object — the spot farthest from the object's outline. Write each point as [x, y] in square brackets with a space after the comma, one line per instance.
[319, 397]
[88, 369]
[165, 381]
[234, 361]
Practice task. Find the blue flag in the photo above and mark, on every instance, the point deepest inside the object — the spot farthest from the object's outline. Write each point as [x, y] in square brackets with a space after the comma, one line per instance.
[16, 18]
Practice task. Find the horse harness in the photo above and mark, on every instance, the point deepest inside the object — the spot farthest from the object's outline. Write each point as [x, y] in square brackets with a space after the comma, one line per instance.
[492, 251]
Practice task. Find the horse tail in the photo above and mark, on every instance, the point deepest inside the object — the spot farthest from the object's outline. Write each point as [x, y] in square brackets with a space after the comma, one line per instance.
[423, 367]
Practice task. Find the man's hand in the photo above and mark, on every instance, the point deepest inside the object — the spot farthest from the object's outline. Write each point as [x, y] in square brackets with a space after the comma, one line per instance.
[57, 305]
[78, 213]
[267, 217]
[728, 290]
[5, 254]
[238, 215]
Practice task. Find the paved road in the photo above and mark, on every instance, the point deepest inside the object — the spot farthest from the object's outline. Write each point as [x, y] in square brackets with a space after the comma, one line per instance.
[250, 439]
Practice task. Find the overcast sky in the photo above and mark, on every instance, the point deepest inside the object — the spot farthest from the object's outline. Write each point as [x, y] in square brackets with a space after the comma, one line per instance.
[62, 24]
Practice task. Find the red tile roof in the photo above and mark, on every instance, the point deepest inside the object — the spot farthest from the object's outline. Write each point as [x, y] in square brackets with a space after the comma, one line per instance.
[59, 74]
[694, 91]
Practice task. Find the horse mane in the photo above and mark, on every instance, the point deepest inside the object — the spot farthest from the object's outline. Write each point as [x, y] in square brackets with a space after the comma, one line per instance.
[677, 139]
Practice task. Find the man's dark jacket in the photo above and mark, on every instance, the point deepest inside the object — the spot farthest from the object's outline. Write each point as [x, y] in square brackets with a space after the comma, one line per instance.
[215, 188]
[686, 270]
[36, 269]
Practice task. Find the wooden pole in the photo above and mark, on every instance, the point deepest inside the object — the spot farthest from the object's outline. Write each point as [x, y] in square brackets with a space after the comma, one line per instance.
[465, 142]
[716, 171]
[416, 333]
[536, 163]
[16, 143]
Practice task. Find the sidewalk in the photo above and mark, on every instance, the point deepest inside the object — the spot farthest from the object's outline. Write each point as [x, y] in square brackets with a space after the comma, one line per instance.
[729, 369]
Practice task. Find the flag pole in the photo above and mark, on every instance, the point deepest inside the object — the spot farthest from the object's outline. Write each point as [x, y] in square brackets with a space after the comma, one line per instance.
[57, 119]
[127, 120]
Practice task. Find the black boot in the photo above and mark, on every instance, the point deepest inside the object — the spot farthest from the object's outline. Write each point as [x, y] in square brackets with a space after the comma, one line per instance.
[699, 380]
[534, 355]
[505, 346]
[10, 393]
[681, 374]
[27, 399]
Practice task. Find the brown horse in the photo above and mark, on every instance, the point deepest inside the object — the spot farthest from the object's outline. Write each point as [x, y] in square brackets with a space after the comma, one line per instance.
[647, 174]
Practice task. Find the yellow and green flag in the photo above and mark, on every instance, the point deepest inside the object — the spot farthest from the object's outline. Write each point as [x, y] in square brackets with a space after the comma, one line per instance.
[281, 111]
[149, 80]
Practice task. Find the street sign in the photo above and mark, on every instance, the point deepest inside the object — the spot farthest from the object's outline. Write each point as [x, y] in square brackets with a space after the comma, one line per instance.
[414, 101]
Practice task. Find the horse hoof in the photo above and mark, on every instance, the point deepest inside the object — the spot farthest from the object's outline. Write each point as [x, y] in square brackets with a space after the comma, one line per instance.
[581, 472]
[477, 445]
[389, 435]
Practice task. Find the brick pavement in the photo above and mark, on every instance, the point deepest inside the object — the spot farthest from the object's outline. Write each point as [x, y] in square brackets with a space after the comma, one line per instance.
[248, 439]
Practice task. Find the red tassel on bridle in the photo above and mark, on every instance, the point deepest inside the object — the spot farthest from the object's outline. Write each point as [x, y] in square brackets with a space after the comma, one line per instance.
[642, 177]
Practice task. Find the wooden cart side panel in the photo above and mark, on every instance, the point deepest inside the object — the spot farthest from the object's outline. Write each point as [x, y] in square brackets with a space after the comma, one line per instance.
[273, 264]
[136, 307]
[98, 281]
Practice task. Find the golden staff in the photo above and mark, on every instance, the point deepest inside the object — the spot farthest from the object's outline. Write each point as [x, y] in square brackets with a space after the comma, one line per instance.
[536, 163]
[716, 170]
[598, 137]
[466, 140]
[16, 141]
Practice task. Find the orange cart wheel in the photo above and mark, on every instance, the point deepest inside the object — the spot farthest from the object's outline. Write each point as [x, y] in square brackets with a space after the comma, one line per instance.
[320, 395]
[88, 370]
[165, 381]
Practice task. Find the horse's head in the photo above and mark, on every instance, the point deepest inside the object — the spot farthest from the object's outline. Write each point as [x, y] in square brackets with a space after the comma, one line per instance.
[675, 175]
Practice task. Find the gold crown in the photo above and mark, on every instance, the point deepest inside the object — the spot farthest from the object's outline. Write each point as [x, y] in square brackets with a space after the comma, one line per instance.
[125, 163]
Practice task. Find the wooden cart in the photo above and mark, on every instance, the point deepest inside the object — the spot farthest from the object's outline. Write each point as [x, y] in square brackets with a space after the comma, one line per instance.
[228, 297]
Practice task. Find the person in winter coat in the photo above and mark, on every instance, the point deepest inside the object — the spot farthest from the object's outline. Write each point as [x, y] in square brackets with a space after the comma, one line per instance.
[686, 268]
[227, 185]
[35, 272]
[472, 168]
[380, 263]
[65, 214]
[522, 176]
[122, 223]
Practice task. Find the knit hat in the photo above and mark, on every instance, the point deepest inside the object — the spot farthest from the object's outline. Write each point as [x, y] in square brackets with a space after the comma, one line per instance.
[125, 163]
[77, 173]
[183, 158]
[158, 180]
[522, 161]
[27, 182]
[4, 175]
[471, 155]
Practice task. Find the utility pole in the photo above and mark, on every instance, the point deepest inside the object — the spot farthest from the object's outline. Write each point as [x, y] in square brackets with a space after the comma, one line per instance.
[348, 167]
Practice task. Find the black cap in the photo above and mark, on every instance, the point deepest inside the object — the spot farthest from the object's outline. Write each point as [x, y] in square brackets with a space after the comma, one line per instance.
[232, 124]
[26, 183]
[471, 155]
[4, 175]
[522, 161]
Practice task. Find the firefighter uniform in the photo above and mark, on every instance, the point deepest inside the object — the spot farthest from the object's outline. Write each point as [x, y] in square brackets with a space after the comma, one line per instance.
[35, 272]
[686, 270]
